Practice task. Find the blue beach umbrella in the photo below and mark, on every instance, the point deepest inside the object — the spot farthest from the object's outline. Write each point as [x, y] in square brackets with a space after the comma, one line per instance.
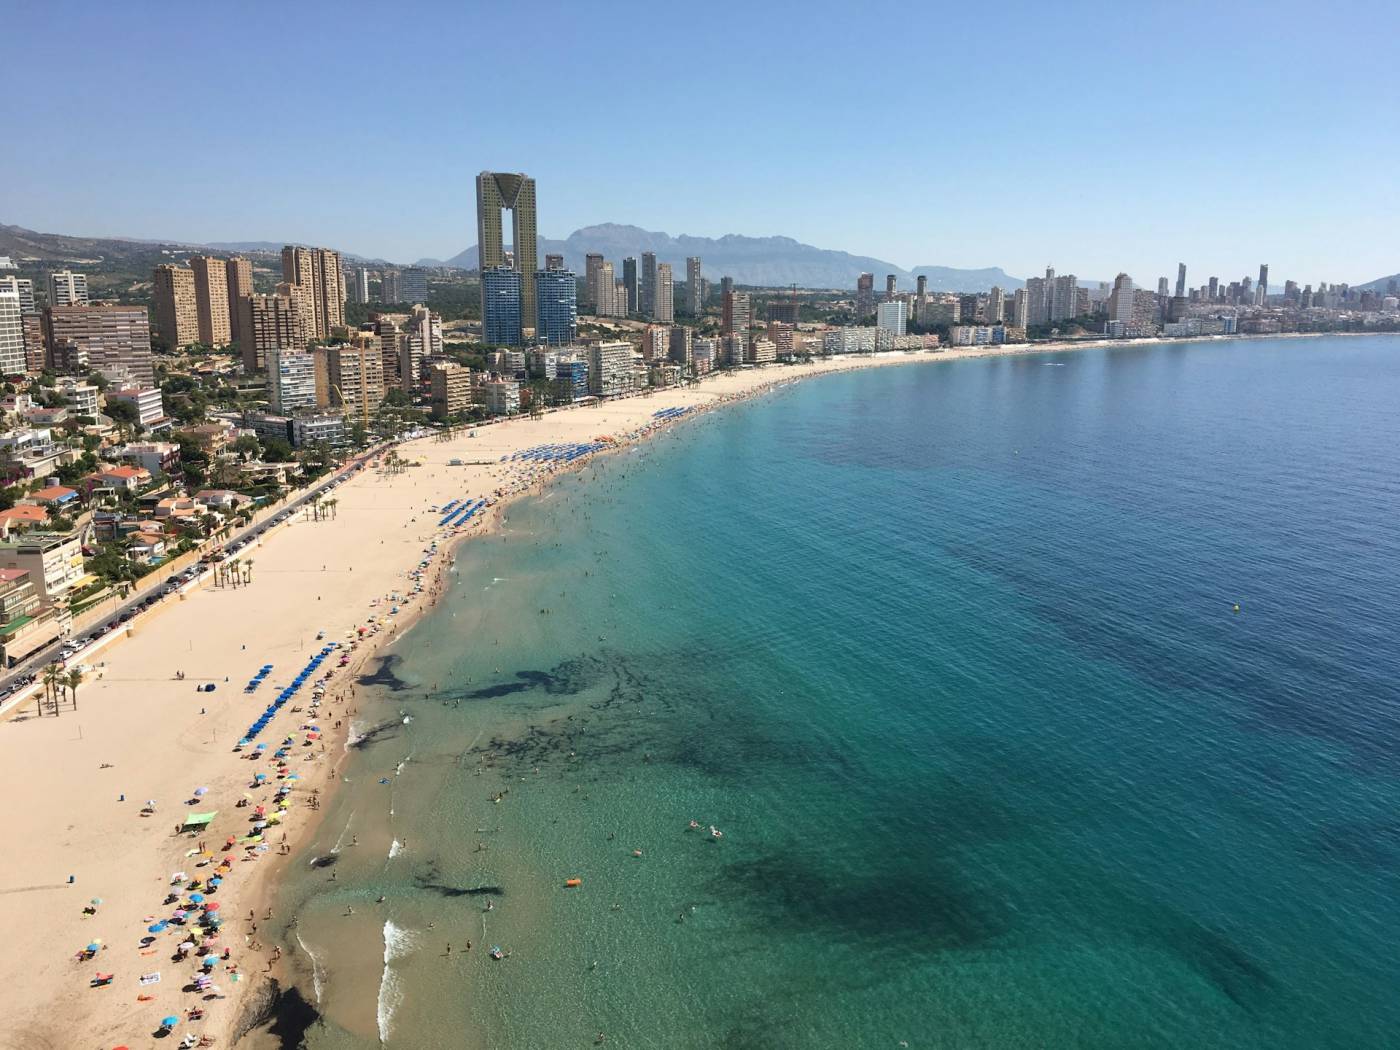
[156, 927]
[198, 898]
[169, 1022]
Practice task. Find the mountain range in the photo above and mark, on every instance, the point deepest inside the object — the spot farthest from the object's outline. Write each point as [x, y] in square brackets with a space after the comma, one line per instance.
[769, 262]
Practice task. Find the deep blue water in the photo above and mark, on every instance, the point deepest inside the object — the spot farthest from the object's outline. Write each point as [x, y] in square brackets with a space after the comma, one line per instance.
[949, 653]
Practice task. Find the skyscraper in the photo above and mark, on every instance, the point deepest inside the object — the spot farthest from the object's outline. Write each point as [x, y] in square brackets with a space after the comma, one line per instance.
[11, 333]
[665, 306]
[67, 288]
[317, 274]
[610, 303]
[737, 316]
[557, 292]
[996, 306]
[593, 294]
[496, 191]
[1163, 287]
[694, 287]
[891, 287]
[239, 272]
[1180, 280]
[1120, 301]
[267, 323]
[177, 313]
[389, 287]
[629, 278]
[211, 299]
[865, 296]
[648, 291]
[1262, 293]
[502, 295]
[920, 294]
[1213, 289]
[554, 262]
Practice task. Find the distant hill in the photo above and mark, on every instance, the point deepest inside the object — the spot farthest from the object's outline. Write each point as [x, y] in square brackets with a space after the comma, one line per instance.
[122, 253]
[1380, 284]
[770, 262]
[950, 279]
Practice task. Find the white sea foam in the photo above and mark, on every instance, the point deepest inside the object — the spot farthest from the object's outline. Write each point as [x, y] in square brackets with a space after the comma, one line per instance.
[316, 982]
[395, 848]
[343, 831]
[397, 942]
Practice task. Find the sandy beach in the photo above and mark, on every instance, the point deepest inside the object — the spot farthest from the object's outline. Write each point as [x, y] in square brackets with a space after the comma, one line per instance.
[75, 831]
[140, 734]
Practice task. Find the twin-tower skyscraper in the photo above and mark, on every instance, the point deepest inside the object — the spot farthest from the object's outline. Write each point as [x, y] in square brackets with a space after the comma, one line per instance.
[495, 192]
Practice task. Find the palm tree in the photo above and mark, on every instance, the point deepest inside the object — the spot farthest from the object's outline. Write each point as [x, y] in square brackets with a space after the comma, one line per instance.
[332, 504]
[74, 679]
[52, 674]
[248, 571]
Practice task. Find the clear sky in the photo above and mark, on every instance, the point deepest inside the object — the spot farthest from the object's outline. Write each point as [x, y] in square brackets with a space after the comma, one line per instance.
[1094, 137]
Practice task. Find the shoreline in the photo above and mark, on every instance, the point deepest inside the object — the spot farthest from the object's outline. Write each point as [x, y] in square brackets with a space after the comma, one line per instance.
[136, 718]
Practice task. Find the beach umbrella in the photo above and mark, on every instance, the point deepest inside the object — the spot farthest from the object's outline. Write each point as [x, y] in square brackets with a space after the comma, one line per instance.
[181, 913]
[95, 901]
[260, 777]
[212, 906]
[198, 898]
[169, 1022]
[262, 747]
[200, 791]
[210, 960]
[94, 946]
[156, 927]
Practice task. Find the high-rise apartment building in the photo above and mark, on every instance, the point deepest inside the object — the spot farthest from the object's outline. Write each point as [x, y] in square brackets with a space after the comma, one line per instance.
[413, 284]
[1180, 281]
[920, 293]
[865, 296]
[357, 376]
[665, 306]
[1262, 293]
[389, 287]
[557, 294]
[449, 389]
[648, 289]
[317, 274]
[1020, 308]
[502, 294]
[996, 306]
[630, 281]
[12, 362]
[177, 312]
[1120, 301]
[553, 262]
[239, 272]
[270, 322]
[211, 299]
[291, 381]
[592, 275]
[106, 337]
[891, 287]
[1051, 298]
[892, 316]
[694, 287]
[1213, 288]
[67, 288]
[23, 287]
[737, 315]
[682, 348]
[609, 368]
[496, 191]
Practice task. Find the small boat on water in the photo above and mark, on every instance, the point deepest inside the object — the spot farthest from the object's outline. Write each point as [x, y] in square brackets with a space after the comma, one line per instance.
[496, 952]
[715, 833]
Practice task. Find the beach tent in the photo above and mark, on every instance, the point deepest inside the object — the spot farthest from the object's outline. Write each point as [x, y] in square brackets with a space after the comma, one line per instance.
[195, 821]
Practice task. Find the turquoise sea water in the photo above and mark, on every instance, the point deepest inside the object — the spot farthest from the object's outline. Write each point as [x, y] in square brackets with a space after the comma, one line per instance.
[948, 653]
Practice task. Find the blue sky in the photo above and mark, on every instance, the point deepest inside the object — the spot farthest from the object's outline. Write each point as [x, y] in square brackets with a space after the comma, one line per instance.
[1094, 137]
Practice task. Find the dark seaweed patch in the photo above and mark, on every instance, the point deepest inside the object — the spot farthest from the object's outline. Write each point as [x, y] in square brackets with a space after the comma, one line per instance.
[462, 891]
[375, 735]
[384, 675]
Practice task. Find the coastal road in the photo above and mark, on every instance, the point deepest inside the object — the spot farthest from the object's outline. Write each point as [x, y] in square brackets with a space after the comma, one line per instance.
[23, 679]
